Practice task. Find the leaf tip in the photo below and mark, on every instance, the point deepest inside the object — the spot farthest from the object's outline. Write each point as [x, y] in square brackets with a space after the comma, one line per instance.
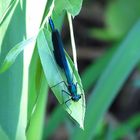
[82, 126]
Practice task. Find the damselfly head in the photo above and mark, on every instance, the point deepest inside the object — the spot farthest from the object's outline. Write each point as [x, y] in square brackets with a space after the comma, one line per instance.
[73, 91]
[76, 98]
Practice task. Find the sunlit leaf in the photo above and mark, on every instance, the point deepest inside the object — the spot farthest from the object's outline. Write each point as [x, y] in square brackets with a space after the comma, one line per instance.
[36, 122]
[55, 75]
[72, 6]
[7, 11]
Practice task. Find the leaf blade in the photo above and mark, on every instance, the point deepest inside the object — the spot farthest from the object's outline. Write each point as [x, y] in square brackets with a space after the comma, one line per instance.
[72, 6]
[13, 53]
[50, 68]
[36, 120]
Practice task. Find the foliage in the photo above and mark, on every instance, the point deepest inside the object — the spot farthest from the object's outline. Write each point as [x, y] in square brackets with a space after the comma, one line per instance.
[25, 64]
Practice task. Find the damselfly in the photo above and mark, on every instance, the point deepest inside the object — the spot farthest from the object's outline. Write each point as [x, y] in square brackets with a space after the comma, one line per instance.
[61, 60]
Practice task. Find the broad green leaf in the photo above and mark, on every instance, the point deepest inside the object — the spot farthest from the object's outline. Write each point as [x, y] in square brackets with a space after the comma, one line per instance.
[3, 135]
[35, 70]
[7, 10]
[13, 53]
[32, 28]
[3, 6]
[5, 22]
[114, 76]
[12, 31]
[72, 6]
[36, 122]
[126, 127]
[54, 75]
[35, 79]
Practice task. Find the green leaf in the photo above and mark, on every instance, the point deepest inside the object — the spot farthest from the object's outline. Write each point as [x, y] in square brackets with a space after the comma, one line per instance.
[13, 53]
[7, 11]
[3, 6]
[12, 31]
[55, 75]
[36, 122]
[3, 135]
[35, 71]
[126, 127]
[114, 76]
[72, 6]
[5, 22]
